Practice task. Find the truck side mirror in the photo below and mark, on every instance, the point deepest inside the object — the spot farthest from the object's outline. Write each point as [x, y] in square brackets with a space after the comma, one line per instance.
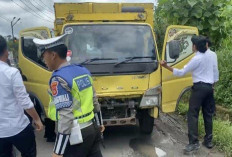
[174, 49]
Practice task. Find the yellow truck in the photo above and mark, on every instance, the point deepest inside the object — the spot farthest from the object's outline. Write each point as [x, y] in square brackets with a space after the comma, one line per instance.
[116, 43]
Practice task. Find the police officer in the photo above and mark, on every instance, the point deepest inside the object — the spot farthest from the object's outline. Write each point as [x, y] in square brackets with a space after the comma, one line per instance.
[72, 97]
[203, 67]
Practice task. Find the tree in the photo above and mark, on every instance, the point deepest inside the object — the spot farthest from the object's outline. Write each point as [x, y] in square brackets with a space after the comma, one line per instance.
[226, 13]
[203, 14]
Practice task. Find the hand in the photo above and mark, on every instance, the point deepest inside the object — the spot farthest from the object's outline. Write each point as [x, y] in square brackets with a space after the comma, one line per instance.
[163, 63]
[102, 128]
[55, 155]
[38, 125]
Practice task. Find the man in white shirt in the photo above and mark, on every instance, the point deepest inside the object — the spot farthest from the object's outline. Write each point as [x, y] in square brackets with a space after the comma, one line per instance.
[15, 128]
[204, 70]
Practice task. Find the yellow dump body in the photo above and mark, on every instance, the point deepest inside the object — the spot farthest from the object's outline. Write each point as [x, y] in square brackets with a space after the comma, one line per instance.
[67, 13]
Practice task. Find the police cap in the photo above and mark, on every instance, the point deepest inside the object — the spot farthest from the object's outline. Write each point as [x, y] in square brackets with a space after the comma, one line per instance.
[45, 44]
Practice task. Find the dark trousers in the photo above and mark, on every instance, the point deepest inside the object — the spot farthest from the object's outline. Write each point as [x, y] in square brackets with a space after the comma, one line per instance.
[90, 146]
[24, 142]
[49, 128]
[201, 96]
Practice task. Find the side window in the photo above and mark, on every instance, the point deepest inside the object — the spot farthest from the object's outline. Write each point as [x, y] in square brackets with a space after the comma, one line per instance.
[29, 50]
[184, 37]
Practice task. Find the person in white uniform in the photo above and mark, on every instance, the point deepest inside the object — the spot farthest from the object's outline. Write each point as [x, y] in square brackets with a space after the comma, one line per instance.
[15, 128]
[204, 70]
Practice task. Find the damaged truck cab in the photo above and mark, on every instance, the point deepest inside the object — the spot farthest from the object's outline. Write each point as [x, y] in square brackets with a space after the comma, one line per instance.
[116, 43]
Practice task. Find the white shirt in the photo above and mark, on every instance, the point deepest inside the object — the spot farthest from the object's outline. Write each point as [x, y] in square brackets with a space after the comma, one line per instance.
[13, 100]
[203, 66]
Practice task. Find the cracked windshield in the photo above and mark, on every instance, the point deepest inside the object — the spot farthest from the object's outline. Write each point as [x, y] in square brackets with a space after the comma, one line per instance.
[109, 43]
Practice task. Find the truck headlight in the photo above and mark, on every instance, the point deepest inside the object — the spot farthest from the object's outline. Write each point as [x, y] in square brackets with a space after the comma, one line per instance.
[151, 98]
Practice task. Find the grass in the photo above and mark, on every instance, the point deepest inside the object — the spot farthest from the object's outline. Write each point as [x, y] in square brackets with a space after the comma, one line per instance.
[222, 129]
[223, 88]
[223, 136]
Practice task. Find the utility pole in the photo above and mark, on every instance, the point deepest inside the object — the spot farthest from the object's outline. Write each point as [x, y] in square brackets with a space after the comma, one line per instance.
[12, 23]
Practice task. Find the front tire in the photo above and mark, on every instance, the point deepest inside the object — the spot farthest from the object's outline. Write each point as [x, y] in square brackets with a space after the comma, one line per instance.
[146, 122]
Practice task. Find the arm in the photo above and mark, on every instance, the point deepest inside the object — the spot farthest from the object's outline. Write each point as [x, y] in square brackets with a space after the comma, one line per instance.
[32, 112]
[192, 64]
[164, 64]
[97, 111]
[20, 92]
[99, 120]
[63, 100]
[97, 106]
[24, 100]
[215, 70]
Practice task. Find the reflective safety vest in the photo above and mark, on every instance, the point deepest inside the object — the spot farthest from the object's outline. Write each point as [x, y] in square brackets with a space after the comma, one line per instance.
[82, 96]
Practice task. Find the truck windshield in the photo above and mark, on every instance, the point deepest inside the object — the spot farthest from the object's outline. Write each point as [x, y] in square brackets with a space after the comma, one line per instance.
[110, 43]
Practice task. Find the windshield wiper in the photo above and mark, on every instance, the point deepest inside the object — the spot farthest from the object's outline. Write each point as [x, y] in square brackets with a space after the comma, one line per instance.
[96, 59]
[131, 58]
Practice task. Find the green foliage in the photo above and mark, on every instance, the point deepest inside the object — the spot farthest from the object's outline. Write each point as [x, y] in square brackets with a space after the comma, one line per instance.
[223, 136]
[204, 14]
[226, 14]
[182, 108]
[201, 127]
[222, 130]
[223, 88]
[160, 27]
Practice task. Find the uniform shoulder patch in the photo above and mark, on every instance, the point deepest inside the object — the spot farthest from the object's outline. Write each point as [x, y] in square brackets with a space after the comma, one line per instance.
[54, 88]
[83, 83]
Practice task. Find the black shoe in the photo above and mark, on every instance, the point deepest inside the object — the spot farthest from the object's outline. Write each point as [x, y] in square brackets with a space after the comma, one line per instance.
[191, 147]
[51, 139]
[208, 145]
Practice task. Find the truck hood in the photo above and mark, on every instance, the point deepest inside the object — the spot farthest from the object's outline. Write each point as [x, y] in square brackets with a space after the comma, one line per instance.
[121, 85]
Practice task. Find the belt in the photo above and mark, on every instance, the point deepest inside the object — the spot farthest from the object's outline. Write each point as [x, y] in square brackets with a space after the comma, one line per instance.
[203, 83]
[83, 116]
[86, 124]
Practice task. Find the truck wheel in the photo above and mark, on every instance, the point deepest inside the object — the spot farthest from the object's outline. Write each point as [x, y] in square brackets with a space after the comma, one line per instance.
[146, 122]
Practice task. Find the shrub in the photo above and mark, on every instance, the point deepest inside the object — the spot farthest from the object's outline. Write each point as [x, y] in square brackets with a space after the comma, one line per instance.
[223, 89]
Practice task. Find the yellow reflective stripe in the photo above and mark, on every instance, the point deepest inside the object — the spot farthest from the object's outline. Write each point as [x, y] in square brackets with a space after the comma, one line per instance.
[52, 109]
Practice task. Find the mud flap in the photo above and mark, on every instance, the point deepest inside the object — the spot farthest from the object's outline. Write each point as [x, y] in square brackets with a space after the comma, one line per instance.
[146, 122]
[154, 112]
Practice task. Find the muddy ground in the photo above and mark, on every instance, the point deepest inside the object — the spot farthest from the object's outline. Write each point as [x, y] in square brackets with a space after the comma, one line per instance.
[168, 139]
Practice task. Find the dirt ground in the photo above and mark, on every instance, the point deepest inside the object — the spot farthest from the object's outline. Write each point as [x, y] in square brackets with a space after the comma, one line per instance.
[167, 140]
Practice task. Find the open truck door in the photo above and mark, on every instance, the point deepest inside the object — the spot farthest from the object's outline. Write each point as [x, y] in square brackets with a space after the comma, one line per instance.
[177, 38]
[34, 72]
